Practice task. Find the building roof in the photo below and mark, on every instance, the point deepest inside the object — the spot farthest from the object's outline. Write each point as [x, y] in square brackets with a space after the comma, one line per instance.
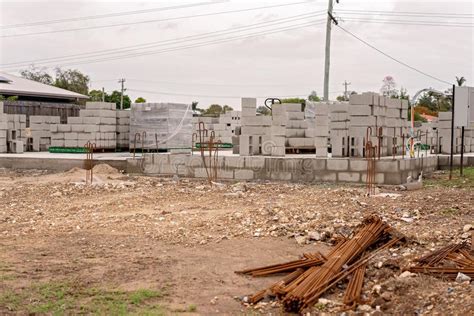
[17, 86]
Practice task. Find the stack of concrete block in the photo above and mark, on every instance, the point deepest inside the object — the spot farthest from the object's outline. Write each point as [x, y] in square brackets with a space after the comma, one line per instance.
[97, 123]
[169, 124]
[444, 134]
[253, 128]
[339, 129]
[123, 129]
[321, 131]
[16, 132]
[296, 126]
[396, 113]
[40, 132]
[274, 142]
[3, 130]
[225, 128]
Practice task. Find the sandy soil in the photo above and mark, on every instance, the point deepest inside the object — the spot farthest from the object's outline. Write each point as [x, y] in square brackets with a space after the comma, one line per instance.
[186, 238]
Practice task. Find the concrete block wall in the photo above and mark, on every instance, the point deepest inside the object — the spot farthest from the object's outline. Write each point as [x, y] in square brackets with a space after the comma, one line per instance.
[240, 168]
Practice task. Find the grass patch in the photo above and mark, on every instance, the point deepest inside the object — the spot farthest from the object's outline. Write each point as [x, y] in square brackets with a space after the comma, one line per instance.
[192, 308]
[449, 211]
[65, 298]
[441, 179]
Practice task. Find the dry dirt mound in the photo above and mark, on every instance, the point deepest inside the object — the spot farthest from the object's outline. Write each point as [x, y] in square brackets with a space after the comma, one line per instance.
[105, 169]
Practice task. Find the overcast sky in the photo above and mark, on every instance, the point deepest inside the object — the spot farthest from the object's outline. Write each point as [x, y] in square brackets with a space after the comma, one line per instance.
[285, 63]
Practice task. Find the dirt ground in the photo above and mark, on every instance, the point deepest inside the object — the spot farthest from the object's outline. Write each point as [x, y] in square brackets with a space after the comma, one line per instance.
[151, 246]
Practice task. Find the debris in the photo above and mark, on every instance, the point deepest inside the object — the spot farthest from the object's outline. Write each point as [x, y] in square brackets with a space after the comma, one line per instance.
[406, 274]
[467, 228]
[461, 277]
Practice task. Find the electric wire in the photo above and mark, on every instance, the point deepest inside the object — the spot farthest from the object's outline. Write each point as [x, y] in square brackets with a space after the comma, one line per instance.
[115, 51]
[391, 57]
[149, 21]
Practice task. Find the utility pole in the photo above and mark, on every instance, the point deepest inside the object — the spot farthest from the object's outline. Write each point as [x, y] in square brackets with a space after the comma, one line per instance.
[103, 94]
[345, 84]
[122, 81]
[327, 54]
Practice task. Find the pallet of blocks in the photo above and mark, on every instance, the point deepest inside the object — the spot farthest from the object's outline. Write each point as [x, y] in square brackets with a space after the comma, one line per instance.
[317, 116]
[253, 128]
[339, 129]
[16, 132]
[96, 124]
[3, 130]
[40, 132]
[123, 129]
[296, 126]
[161, 126]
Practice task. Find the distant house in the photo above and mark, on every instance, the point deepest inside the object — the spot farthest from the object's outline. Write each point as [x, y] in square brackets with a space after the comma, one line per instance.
[429, 118]
[30, 90]
[35, 98]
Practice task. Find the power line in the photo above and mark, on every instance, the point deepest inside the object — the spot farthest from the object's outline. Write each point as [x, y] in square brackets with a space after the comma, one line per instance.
[408, 13]
[407, 22]
[116, 51]
[205, 43]
[108, 15]
[150, 21]
[217, 96]
[392, 58]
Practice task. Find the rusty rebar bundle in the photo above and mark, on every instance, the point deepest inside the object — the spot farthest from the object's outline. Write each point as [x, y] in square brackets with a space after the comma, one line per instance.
[317, 273]
[447, 261]
[89, 162]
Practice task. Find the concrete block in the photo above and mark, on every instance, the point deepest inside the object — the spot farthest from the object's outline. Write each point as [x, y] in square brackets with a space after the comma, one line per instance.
[362, 99]
[276, 130]
[107, 128]
[74, 120]
[294, 132]
[53, 128]
[358, 165]
[234, 162]
[71, 143]
[254, 130]
[393, 103]
[244, 141]
[278, 151]
[256, 120]
[70, 136]
[255, 163]
[108, 120]
[356, 109]
[64, 128]
[295, 115]
[363, 121]
[91, 120]
[243, 174]
[280, 175]
[325, 176]
[348, 176]
[293, 107]
[249, 103]
[338, 164]
[77, 128]
[100, 106]
[322, 120]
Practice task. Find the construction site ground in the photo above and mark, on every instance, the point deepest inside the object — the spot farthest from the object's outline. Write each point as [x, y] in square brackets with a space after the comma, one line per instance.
[151, 246]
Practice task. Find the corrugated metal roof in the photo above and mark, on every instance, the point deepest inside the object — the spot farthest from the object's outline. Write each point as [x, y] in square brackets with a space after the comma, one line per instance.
[24, 87]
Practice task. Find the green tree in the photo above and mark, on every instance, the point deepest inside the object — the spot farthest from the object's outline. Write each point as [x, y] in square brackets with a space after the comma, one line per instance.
[460, 81]
[213, 109]
[115, 98]
[226, 108]
[263, 110]
[314, 97]
[37, 74]
[72, 80]
[96, 95]
[140, 100]
[293, 100]
[341, 98]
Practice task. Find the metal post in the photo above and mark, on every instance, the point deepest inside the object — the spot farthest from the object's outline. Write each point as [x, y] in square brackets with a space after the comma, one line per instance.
[103, 95]
[462, 150]
[327, 53]
[452, 140]
[122, 81]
